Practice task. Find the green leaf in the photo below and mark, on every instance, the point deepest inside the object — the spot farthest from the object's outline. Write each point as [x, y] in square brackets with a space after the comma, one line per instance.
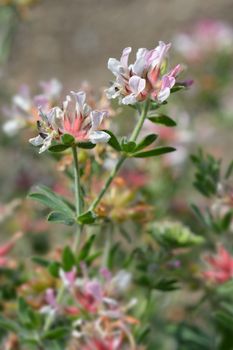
[88, 217]
[166, 285]
[58, 148]
[113, 142]
[47, 197]
[141, 336]
[83, 255]
[128, 146]
[224, 315]
[198, 214]
[8, 325]
[59, 217]
[207, 174]
[177, 87]
[147, 141]
[54, 268]
[68, 259]
[154, 152]
[163, 284]
[86, 145]
[57, 333]
[226, 221]
[41, 261]
[89, 259]
[162, 119]
[229, 170]
[27, 316]
[68, 139]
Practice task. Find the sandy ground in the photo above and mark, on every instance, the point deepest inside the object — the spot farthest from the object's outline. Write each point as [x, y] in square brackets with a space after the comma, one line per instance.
[72, 39]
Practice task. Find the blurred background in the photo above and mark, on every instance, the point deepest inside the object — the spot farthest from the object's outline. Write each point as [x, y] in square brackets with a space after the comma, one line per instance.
[71, 41]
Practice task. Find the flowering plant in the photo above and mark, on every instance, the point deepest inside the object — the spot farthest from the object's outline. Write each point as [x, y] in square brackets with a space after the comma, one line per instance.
[100, 286]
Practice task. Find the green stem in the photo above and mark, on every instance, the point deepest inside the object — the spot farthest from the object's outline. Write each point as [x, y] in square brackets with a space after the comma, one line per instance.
[78, 190]
[77, 238]
[108, 183]
[133, 137]
[140, 122]
[107, 245]
[78, 205]
[78, 196]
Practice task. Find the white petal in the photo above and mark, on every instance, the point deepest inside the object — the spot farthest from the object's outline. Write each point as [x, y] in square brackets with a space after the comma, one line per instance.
[163, 94]
[139, 66]
[57, 118]
[113, 91]
[36, 141]
[141, 53]
[125, 56]
[66, 103]
[46, 144]
[137, 85]
[80, 97]
[115, 66]
[129, 100]
[96, 119]
[99, 137]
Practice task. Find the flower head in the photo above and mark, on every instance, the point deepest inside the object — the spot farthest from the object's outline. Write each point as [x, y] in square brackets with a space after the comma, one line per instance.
[221, 266]
[75, 118]
[146, 77]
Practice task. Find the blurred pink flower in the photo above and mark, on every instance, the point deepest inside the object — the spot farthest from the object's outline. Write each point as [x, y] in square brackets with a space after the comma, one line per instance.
[106, 344]
[206, 37]
[221, 266]
[68, 278]
[23, 110]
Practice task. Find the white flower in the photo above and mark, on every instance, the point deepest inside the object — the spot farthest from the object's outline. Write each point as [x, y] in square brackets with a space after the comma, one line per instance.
[144, 78]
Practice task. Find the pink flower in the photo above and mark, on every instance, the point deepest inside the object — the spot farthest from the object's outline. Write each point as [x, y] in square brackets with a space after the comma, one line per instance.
[68, 278]
[82, 122]
[76, 118]
[221, 266]
[145, 77]
[104, 344]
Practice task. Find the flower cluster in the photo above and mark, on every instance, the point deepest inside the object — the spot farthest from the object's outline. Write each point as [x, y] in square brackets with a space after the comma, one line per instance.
[221, 266]
[146, 78]
[76, 118]
[100, 297]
